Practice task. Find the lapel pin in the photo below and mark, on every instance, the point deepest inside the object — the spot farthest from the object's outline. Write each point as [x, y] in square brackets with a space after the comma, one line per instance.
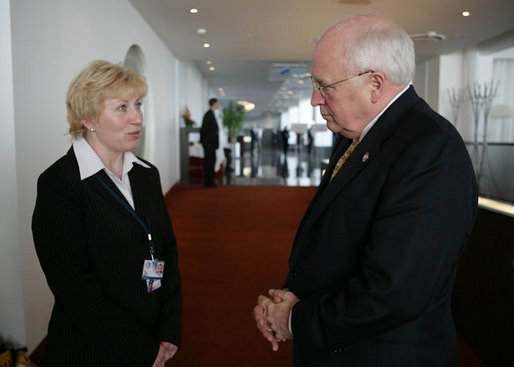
[365, 157]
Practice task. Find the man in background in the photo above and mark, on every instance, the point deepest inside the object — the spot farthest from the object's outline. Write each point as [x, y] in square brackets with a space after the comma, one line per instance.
[210, 142]
[373, 261]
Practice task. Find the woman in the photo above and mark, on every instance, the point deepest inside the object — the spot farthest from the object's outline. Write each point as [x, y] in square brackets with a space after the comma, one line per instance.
[99, 223]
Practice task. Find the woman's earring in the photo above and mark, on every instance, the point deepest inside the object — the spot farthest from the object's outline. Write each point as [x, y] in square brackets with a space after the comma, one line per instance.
[92, 129]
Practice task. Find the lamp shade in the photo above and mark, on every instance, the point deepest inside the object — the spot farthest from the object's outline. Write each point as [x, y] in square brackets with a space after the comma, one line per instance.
[502, 111]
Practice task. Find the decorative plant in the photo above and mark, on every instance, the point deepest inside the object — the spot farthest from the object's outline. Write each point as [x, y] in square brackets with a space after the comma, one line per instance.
[233, 116]
[187, 118]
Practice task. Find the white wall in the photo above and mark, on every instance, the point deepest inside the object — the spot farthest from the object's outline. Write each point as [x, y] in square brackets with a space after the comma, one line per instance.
[190, 82]
[435, 77]
[52, 41]
[451, 79]
[12, 323]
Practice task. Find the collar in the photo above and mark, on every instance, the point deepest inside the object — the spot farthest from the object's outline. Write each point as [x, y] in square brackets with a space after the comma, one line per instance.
[375, 119]
[89, 162]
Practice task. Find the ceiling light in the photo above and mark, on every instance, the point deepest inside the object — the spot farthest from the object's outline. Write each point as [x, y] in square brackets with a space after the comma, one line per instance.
[248, 106]
[206, 45]
[193, 10]
[212, 68]
[201, 31]
[208, 62]
[466, 13]
[429, 36]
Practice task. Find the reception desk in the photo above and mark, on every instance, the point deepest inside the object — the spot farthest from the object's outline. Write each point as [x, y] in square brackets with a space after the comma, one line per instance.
[190, 147]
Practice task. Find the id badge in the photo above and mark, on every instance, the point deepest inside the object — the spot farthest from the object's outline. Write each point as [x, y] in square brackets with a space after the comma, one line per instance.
[153, 271]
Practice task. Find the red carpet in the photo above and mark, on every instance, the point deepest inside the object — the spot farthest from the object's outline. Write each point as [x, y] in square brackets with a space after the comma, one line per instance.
[233, 243]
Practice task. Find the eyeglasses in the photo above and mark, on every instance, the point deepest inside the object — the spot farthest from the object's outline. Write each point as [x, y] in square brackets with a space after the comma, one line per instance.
[327, 89]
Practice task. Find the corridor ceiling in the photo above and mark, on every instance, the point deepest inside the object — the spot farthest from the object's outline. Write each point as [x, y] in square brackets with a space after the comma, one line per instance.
[248, 37]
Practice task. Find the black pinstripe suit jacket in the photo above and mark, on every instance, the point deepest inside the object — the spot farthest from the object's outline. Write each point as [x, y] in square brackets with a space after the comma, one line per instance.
[92, 252]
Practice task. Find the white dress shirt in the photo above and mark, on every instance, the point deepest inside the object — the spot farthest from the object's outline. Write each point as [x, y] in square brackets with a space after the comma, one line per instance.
[375, 119]
[89, 164]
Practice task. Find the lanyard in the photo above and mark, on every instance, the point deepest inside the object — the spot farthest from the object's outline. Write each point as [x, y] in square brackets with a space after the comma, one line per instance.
[145, 227]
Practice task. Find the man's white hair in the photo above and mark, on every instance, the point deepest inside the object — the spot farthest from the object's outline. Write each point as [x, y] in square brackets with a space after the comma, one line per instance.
[379, 45]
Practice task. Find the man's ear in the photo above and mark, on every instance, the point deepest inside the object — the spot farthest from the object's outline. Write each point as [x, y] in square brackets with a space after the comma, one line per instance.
[377, 86]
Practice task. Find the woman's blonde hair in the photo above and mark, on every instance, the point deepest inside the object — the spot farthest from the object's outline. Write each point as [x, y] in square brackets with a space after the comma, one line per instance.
[97, 82]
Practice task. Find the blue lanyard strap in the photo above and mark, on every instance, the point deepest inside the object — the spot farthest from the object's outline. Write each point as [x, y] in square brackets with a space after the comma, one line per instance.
[131, 211]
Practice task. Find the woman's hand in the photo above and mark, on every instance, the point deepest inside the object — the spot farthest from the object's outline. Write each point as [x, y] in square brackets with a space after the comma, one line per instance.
[166, 352]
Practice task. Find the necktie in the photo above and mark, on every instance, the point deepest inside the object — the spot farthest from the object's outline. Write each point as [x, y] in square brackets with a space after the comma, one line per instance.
[344, 157]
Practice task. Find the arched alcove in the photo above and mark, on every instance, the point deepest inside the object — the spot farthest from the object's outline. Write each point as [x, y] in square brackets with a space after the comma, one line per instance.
[135, 60]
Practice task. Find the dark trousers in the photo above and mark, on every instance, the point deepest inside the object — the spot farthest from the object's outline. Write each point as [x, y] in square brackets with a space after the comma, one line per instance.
[209, 159]
[228, 156]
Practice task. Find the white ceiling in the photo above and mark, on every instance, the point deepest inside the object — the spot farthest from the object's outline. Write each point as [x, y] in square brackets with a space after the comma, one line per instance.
[246, 37]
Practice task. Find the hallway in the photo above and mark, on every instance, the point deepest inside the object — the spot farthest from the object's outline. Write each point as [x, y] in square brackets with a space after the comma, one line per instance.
[271, 167]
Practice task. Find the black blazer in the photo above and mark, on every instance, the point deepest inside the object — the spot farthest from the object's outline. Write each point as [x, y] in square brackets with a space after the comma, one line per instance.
[92, 252]
[373, 260]
[209, 131]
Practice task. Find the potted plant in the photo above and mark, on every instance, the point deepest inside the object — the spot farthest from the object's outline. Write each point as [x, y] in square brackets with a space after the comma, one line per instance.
[186, 116]
[233, 116]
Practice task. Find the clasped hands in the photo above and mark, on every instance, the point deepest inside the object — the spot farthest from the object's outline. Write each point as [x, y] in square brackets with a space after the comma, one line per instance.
[272, 315]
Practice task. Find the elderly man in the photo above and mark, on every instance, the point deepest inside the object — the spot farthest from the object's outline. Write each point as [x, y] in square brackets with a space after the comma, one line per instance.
[373, 261]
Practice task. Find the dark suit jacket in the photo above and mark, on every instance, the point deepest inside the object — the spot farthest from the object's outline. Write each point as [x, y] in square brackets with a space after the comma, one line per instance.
[92, 252]
[373, 261]
[209, 131]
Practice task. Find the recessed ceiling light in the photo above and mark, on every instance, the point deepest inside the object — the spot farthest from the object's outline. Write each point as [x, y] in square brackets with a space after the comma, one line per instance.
[249, 107]
[212, 68]
[208, 62]
[206, 45]
[193, 10]
[201, 31]
[466, 13]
